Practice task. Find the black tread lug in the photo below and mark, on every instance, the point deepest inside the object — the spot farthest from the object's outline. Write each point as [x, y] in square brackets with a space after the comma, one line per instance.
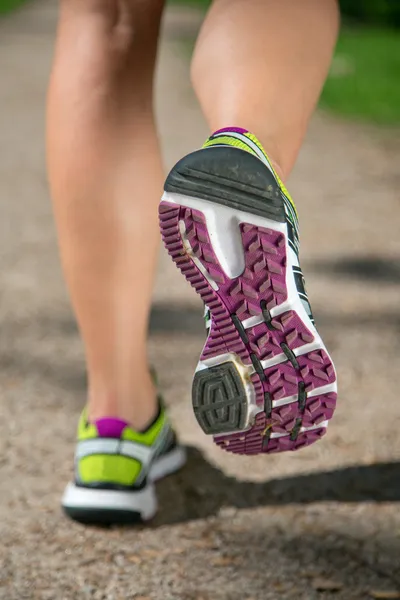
[219, 399]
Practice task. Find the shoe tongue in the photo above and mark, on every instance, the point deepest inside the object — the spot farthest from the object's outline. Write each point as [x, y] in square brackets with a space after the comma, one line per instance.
[109, 427]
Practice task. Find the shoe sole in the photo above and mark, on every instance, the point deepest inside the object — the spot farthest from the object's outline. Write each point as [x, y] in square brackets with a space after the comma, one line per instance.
[119, 507]
[264, 382]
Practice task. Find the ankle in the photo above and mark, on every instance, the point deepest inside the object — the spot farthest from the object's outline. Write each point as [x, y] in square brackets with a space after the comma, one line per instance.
[277, 168]
[137, 406]
[271, 149]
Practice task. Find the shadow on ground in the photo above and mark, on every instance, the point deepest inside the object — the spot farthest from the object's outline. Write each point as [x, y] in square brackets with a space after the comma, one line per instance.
[187, 319]
[365, 268]
[200, 490]
[165, 319]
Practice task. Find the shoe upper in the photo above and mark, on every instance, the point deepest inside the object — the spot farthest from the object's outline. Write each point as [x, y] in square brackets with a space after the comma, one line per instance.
[110, 454]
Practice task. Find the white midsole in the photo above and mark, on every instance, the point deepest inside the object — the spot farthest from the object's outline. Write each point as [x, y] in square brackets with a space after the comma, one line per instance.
[224, 234]
[143, 501]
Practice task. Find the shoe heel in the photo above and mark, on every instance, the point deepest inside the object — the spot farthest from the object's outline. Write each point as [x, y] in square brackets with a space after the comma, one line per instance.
[229, 177]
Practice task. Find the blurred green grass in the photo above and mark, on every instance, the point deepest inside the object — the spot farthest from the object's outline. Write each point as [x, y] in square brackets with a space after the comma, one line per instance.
[8, 5]
[364, 81]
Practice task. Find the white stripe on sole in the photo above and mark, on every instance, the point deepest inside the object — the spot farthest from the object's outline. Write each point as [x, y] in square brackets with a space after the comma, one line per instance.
[319, 391]
[322, 425]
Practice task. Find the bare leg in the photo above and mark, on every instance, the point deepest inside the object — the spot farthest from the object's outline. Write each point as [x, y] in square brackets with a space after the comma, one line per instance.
[106, 178]
[261, 64]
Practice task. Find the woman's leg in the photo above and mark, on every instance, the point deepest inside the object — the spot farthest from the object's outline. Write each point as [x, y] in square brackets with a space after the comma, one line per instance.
[106, 176]
[261, 64]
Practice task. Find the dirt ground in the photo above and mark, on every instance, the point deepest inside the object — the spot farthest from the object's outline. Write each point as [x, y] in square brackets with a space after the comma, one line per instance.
[322, 522]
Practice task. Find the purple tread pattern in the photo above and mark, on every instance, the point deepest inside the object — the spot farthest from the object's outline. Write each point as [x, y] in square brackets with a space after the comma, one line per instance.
[288, 329]
[306, 438]
[263, 279]
[282, 380]
[317, 409]
[265, 266]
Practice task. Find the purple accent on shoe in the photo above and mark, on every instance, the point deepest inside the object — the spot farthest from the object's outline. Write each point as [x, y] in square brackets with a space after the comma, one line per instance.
[264, 278]
[232, 129]
[109, 427]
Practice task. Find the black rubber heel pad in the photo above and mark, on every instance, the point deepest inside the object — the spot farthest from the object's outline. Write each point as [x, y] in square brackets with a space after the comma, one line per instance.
[231, 177]
[219, 399]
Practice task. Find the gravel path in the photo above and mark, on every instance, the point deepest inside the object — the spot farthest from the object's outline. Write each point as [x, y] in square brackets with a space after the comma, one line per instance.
[321, 522]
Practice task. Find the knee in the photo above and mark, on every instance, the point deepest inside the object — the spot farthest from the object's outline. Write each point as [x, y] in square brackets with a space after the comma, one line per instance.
[106, 10]
[102, 7]
[120, 38]
[129, 11]
[123, 22]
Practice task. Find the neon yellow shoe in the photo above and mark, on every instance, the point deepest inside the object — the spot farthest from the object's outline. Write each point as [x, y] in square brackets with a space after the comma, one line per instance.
[115, 470]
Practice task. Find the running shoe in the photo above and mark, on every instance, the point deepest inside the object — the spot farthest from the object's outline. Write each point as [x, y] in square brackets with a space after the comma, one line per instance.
[116, 467]
[264, 381]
